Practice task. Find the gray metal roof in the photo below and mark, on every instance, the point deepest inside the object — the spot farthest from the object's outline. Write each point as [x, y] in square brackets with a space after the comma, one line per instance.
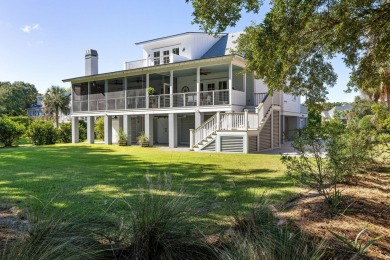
[171, 36]
[218, 49]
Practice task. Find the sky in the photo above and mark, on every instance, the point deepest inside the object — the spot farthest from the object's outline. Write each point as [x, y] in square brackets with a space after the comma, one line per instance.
[44, 41]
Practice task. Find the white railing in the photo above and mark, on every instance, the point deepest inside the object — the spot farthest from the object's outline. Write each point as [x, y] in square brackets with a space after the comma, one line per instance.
[206, 129]
[187, 99]
[253, 121]
[171, 58]
[136, 102]
[233, 121]
[259, 97]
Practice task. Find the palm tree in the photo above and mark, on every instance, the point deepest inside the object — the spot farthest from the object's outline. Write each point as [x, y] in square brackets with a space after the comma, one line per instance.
[56, 100]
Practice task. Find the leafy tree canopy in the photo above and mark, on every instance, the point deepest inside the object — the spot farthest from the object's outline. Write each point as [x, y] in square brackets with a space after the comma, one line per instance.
[16, 97]
[292, 48]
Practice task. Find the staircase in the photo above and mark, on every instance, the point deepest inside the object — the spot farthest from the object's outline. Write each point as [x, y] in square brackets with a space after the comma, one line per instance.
[205, 136]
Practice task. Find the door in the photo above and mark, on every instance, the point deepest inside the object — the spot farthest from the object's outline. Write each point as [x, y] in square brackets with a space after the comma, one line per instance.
[162, 130]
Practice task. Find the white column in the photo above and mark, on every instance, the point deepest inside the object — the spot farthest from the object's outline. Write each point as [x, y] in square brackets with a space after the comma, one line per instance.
[198, 86]
[90, 129]
[230, 83]
[192, 138]
[199, 119]
[171, 88]
[149, 128]
[172, 130]
[107, 129]
[75, 129]
[218, 120]
[246, 119]
[89, 93]
[106, 93]
[147, 94]
[125, 86]
[127, 127]
[246, 143]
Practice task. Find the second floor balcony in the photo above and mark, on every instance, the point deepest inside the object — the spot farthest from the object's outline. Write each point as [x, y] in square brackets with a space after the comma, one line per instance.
[171, 58]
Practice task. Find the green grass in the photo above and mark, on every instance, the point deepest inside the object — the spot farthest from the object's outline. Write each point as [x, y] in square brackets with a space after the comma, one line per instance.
[91, 178]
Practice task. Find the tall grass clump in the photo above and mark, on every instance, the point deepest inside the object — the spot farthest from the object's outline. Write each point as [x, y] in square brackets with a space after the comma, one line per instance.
[53, 234]
[159, 224]
[254, 234]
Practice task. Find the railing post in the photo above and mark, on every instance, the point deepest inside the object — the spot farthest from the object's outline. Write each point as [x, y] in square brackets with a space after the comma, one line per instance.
[246, 119]
[192, 138]
[218, 120]
[213, 98]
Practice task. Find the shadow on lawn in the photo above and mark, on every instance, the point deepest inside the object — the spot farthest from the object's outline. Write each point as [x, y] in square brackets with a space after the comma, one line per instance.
[91, 177]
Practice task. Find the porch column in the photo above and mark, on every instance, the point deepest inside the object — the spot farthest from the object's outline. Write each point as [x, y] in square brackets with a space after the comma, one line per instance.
[149, 128]
[172, 130]
[89, 93]
[106, 93]
[127, 128]
[146, 90]
[218, 120]
[90, 129]
[107, 129]
[199, 119]
[192, 138]
[171, 89]
[230, 83]
[75, 129]
[125, 86]
[197, 87]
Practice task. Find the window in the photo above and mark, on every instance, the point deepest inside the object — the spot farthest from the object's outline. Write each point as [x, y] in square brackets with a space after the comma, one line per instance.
[175, 51]
[166, 57]
[222, 85]
[210, 86]
[156, 56]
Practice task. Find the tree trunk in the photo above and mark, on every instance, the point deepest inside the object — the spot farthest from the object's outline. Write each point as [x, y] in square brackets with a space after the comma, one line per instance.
[56, 111]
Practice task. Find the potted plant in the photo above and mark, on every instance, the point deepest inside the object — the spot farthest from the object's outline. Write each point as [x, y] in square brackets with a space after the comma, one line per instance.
[143, 140]
[122, 138]
[152, 101]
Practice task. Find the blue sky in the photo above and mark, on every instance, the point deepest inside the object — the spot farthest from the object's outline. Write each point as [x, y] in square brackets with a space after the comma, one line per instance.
[44, 41]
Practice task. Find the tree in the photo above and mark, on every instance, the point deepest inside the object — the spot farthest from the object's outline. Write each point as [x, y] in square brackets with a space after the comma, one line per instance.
[56, 100]
[292, 48]
[16, 97]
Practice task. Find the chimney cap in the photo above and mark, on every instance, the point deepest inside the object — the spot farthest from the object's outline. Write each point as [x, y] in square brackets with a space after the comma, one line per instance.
[91, 52]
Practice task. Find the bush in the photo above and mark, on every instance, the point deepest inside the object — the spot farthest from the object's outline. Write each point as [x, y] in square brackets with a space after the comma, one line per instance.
[10, 131]
[65, 133]
[99, 128]
[255, 235]
[42, 132]
[159, 226]
[327, 155]
[24, 120]
[366, 123]
[82, 130]
[53, 234]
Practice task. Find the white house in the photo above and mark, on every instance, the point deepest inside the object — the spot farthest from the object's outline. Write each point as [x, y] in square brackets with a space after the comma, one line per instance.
[36, 109]
[203, 98]
[340, 110]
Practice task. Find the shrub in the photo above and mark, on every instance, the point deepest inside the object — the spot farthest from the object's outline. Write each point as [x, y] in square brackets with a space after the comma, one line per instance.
[42, 132]
[256, 235]
[65, 133]
[24, 120]
[82, 130]
[366, 123]
[327, 155]
[159, 226]
[99, 128]
[10, 131]
[53, 234]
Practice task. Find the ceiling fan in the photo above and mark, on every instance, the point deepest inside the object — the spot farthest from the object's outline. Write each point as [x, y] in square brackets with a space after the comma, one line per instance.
[205, 72]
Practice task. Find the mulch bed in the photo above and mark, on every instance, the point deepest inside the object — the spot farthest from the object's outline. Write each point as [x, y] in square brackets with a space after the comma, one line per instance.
[366, 205]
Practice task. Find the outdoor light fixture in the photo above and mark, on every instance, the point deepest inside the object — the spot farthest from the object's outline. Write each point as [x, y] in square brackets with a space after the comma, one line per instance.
[184, 49]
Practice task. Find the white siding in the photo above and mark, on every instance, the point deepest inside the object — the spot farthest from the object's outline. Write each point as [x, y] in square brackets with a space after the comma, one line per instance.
[291, 103]
[260, 86]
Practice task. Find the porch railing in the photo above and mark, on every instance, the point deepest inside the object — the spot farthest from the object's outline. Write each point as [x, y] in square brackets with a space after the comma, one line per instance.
[165, 59]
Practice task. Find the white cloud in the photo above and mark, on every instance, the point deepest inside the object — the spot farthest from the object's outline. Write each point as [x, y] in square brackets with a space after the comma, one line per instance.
[28, 28]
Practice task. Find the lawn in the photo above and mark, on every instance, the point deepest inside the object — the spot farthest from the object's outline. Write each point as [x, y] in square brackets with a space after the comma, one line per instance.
[93, 178]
